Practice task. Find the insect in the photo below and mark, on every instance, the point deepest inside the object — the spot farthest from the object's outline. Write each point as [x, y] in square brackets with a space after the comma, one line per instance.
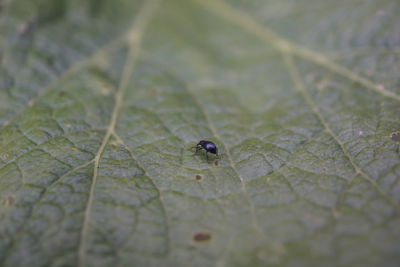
[208, 146]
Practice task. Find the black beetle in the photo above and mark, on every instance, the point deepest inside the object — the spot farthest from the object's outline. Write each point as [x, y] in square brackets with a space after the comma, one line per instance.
[208, 146]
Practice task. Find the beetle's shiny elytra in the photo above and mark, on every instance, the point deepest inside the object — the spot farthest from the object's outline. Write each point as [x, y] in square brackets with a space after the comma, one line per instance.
[208, 146]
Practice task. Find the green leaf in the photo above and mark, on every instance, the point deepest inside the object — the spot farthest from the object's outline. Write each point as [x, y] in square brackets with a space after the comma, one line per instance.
[101, 101]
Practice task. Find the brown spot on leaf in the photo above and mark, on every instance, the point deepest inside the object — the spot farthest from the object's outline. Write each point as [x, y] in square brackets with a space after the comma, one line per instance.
[154, 92]
[198, 177]
[226, 203]
[8, 200]
[216, 163]
[202, 237]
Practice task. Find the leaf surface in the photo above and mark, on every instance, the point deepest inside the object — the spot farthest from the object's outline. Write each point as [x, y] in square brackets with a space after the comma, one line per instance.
[102, 100]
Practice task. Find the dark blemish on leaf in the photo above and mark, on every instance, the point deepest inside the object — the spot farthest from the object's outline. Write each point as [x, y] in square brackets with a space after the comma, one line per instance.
[395, 137]
[216, 163]
[202, 237]
[198, 177]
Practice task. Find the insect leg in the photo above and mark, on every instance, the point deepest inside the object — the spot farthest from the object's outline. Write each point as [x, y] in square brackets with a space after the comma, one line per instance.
[197, 149]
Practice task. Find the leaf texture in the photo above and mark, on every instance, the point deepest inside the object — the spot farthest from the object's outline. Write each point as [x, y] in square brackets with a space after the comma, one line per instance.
[100, 102]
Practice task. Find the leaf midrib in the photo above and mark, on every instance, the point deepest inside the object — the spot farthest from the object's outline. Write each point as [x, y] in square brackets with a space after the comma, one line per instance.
[134, 45]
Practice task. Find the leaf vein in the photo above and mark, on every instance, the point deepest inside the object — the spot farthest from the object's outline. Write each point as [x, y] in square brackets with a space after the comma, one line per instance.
[164, 210]
[231, 162]
[286, 46]
[134, 45]
[48, 141]
[298, 84]
[33, 207]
